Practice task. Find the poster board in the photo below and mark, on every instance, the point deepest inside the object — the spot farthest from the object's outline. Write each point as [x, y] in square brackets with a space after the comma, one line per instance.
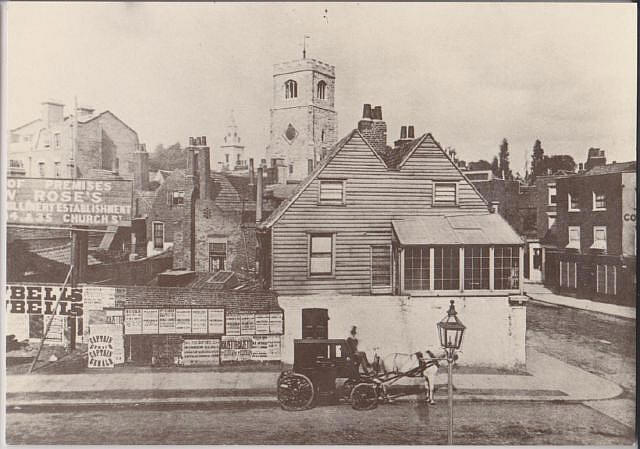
[232, 324]
[262, 323]
[247, 323]
[276, 323]
[235, 348]
[149, 321]
[132, 321]
[201, 352]
[215, 321]
[98, 298]
[199, 321]
[105, 346]
[167, 321]
[183, 321]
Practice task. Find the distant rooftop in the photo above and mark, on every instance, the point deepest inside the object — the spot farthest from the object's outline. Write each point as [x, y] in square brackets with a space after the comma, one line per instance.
[615, 167]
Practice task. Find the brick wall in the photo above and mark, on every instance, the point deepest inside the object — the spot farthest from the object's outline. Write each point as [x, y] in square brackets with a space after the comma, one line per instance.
[149, 297]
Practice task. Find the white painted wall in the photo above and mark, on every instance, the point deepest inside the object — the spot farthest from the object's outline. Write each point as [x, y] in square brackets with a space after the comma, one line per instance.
[495, 334]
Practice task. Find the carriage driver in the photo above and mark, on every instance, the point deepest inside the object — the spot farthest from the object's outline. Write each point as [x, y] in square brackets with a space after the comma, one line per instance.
[360, 356]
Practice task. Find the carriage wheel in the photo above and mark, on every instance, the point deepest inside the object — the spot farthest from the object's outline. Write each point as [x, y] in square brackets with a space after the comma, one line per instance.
[295, 392]
[364, 397]
[347, 388]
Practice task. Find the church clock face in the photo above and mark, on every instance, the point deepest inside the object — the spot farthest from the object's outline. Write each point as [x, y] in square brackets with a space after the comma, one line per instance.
[291, 133]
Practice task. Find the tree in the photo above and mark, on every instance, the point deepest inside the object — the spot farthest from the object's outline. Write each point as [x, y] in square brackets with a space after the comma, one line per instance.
[479, 165]
[495, 166]
[169, 158]
[536, 160]
[557, 163]
[505, 172]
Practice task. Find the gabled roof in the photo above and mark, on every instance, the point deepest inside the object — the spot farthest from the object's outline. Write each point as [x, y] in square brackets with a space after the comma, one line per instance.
[616, 167]
[392, 159]
[282, 208]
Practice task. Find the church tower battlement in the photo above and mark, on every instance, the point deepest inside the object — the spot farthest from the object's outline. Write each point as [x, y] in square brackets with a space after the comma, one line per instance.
[303, 116]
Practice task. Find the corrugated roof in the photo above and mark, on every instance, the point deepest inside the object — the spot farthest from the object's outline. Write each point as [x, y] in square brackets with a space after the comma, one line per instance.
[616, 167]
[483, 229]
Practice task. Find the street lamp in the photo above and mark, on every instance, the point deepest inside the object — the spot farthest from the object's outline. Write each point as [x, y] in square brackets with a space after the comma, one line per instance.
[450, 331]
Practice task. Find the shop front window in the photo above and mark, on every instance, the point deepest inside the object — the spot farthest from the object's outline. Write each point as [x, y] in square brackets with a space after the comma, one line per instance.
[506, 263]
[446, 268]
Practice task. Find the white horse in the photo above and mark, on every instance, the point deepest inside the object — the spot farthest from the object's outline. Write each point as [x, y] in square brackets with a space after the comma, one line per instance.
[397, 363]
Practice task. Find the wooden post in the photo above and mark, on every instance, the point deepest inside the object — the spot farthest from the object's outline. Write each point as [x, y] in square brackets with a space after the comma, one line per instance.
[521, 269]
[461, 265]
[79, 262]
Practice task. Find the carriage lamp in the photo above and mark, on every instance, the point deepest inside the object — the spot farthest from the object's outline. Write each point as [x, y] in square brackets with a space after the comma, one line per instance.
[450, 331]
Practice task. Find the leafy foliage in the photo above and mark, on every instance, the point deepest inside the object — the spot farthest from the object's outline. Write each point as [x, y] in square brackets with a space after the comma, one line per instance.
[168, 158]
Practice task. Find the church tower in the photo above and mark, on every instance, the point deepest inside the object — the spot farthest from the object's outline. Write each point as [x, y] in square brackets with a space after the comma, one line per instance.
[303, 115]
[230, 156]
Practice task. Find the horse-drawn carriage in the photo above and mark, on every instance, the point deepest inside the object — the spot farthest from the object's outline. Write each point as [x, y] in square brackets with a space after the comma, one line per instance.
[328, 369]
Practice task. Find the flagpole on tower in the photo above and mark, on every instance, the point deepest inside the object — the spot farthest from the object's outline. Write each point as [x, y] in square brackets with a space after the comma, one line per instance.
[304, 46]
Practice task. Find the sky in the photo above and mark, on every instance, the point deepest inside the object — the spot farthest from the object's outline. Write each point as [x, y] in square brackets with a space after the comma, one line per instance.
[470, 74]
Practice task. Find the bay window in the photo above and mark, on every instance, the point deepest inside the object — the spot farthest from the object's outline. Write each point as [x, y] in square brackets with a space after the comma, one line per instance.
[507, 267]
[446, 268]
[416, 268]
[476, 268]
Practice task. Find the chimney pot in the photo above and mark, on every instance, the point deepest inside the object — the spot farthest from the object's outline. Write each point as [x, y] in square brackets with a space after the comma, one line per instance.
[366, 111]
[377, 113]
[204, 140]
[411, 132]
[403, 132]
[191, 141]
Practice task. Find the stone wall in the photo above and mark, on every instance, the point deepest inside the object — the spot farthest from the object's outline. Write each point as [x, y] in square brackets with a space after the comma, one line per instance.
[495, 335]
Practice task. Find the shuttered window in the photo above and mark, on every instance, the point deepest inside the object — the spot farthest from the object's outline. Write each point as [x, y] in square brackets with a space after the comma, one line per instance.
[332, 191]
[416, 268]
[381, 266]
[320, 254]
[444, 194]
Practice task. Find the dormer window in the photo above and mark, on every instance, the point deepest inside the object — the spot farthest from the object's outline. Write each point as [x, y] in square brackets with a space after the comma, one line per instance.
[445, 194]
[321, 91]
[290, 89]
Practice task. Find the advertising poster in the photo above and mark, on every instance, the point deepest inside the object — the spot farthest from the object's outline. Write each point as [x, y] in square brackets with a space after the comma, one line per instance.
[235, 348]
[201, 352]
[247, 324]
[276, 323]
[41, 300]
[132, 321]
[260, 348]
[56, 201]
[183, 321]
[166, 321]
[149, 321]
[98, 298]
[216, 321]
[199, 321]
[275, 347]
[232, 321]
[106, 346]
[262, 323]
[114, 316]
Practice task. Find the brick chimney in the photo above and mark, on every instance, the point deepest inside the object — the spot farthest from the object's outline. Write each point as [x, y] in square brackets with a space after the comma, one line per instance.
[595, 158]
[407, 134]
[373, 128]
[52, 113]
[141, 170]
[204, 166]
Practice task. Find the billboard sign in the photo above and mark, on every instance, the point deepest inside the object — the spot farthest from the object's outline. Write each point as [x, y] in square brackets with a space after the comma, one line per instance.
[69, 202]
[41, 299]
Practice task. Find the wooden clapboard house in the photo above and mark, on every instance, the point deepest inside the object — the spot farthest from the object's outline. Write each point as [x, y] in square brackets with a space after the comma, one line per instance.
[381, 220]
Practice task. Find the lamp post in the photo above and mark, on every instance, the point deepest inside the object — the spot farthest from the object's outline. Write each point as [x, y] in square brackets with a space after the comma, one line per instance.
[450, 331]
